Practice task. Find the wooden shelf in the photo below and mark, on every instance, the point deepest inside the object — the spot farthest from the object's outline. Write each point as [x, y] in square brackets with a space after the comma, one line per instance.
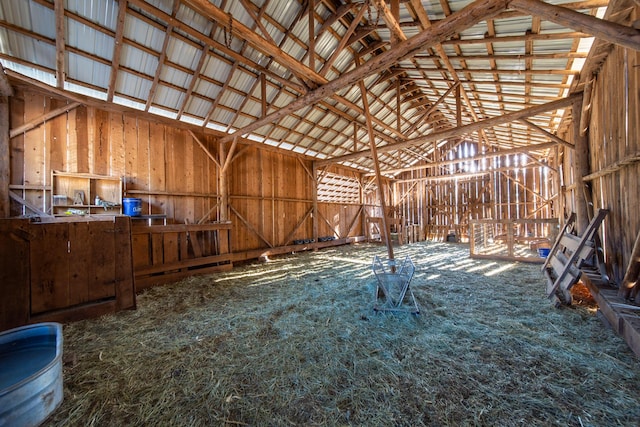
[78, 191]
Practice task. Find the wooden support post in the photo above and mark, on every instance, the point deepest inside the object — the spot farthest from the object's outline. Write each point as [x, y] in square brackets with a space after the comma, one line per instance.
[376, 163]
[629, 283]
[314, 212]
[224, 189]
[581, 143]
[5, 160]
[312, 36]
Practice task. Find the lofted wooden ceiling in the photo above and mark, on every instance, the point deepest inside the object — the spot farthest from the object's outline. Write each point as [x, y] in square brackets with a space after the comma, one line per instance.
[291, 73]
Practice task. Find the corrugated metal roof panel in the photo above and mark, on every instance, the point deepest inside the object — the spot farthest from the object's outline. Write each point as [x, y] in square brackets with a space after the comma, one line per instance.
[89, 40]
[197, 107]
[138, 60]
[101, 12]
[168, 97]
[82, 69]
[182, 53]
[175, 77]
[131, 85]
[143, 33]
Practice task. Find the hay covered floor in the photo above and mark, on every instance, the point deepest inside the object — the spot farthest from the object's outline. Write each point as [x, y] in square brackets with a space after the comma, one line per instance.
[294, 341]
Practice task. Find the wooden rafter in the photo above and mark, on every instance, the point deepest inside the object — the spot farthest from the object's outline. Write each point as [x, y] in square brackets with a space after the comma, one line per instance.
[475, 12]
[610, 31]
[117, 49]
[463, 130]
[60, 43]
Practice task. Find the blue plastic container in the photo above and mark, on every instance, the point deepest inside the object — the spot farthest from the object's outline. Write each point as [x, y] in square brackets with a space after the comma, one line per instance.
[543, 252]
[30, 374]
[132, 206]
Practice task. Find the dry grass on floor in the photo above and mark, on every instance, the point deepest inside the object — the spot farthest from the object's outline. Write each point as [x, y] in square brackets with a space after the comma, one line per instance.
[294, 342]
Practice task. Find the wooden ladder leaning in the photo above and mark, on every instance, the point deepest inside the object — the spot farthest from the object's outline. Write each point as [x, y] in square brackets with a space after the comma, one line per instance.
[568, 255]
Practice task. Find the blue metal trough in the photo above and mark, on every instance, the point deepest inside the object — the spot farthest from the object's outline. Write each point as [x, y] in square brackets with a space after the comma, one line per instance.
[30, 374]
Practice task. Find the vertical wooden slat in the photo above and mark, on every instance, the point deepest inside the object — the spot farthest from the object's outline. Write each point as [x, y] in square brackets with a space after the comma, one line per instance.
[14, 273]
[116, 145]
[49, 267]
[170, 247]
[157, 168]
[156, 249]
[5, 158]
[82, 139]
[124, 279]
[34, 149]
[80, 279]
[101, 268]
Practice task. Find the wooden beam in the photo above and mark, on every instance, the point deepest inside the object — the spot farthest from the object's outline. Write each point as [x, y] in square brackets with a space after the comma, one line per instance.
[250, 227]
[249, 8]
[343, 41]
[462, 130]
[585, 117]
[161, 59]
[431, 108]
[61, 71]
[614, 167]
[5, 158]
[34, 123]
[612, 32]
[5, 86]
[298, 225]
[312, 35]
[204, 148]
[332, 19]
[470, 15]
[30, 206]
[630, 280]
[117, 49]
[229, 157]
[546, 133]
[520, 38]
[581, 167]
[376, 163]
[245, 33]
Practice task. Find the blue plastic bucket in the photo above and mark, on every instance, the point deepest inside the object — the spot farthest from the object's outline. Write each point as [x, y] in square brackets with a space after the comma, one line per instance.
[543, 252]
[132, 206]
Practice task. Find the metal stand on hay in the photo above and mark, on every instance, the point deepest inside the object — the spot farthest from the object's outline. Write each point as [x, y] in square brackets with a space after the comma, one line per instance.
[393, 286]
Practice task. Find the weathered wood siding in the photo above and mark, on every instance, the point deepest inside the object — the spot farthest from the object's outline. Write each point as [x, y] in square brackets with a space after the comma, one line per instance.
[160, 164]
[270, 192]
[270, 195]
[614, 135]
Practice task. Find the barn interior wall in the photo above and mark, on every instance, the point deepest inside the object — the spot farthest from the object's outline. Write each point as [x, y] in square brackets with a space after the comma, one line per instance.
[445, 199]
[270, 192]
[614, 141]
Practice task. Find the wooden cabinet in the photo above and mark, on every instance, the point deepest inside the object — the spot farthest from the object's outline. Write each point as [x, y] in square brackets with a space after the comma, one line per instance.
[65, 269]
[85, 194]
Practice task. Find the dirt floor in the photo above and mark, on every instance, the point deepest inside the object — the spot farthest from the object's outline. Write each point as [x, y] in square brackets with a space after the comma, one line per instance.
[295, 341]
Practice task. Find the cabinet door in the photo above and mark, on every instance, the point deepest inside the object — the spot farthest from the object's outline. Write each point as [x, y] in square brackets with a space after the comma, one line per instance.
[102, 263]
[49, 267]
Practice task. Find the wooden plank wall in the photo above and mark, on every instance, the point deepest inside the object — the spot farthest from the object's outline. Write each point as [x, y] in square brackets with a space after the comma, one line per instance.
[614, 135]
[270, 195]
[441, 205]
[160, 164]
[271, 192]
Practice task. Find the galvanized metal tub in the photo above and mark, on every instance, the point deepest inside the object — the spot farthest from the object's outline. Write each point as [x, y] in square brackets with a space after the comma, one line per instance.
[30, 374]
